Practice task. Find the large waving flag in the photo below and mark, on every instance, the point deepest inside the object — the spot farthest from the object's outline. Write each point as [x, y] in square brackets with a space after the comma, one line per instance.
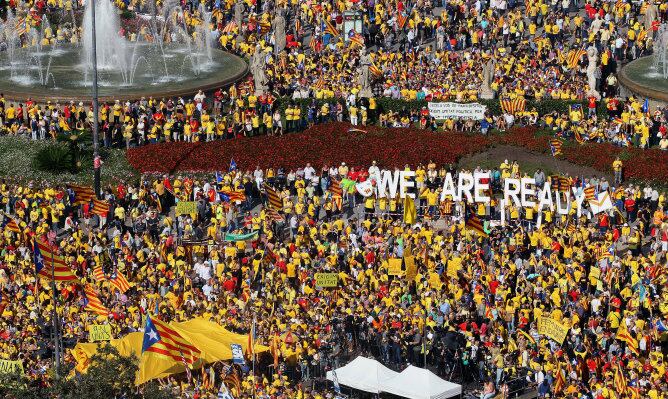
[82, 194]
[92, 302]
[48, 264]
[161, 339]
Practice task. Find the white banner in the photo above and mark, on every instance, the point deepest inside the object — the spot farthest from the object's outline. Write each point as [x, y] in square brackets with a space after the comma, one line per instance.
[365, 188]
[457, 110]
[601, 204]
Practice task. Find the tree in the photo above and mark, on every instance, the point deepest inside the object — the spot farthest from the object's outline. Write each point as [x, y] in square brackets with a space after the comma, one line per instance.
[109, 376]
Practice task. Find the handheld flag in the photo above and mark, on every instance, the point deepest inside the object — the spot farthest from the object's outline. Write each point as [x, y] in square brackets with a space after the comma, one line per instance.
[335, 188]
[48, 264]
[98, 274]
[237, 354]
[330, 28]
[513, 106]
[410, 213]
[645, 107]
[223, 392]
[273, 198]
[555, 147]
[100, 207]
[81, 194]
[92, 301]
[119, 281]
[233, 165]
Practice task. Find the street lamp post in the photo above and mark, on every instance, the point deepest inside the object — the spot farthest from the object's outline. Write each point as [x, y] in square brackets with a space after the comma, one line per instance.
[97, 163]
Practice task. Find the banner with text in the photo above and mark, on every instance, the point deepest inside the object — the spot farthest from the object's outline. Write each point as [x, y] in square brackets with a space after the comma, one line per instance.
[99, 332]
[456, 110]
[326, 280]
[11, 367]
[552, 328]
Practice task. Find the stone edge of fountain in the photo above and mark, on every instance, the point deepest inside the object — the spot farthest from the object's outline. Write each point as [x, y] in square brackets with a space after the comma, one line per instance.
[640, 89]
[22, 96]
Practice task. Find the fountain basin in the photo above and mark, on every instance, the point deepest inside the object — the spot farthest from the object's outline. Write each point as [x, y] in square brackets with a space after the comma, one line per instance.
[641, 77]
[66, 78]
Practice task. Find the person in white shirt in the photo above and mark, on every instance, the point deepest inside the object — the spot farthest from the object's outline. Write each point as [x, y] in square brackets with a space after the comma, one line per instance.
[309, 172]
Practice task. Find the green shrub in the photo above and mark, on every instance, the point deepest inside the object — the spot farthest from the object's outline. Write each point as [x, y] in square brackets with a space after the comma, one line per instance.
[54, 158]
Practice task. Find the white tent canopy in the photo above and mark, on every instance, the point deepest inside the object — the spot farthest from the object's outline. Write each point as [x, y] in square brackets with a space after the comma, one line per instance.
[364, 374]
[417, 383]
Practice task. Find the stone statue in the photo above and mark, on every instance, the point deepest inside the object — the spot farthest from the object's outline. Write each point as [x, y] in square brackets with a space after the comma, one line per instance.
[257, 67]
[651, 15]
[279, 32]
[592, 57]
[239, 14]
[364, 75]
[488, 70]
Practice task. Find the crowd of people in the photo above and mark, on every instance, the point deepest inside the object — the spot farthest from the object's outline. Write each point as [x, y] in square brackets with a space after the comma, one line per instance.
[419, 51]
[469, 310]
[473, 300]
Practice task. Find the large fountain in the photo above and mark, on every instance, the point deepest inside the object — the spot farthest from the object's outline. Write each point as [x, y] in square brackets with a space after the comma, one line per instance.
[165, 59]
[648, 76]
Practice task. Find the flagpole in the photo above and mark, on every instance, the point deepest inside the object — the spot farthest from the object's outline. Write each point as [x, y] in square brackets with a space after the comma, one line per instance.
[56, 329]
[253, 351]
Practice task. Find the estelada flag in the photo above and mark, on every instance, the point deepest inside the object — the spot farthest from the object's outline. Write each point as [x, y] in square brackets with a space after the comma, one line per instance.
[92, 302]
[160, 338]
[48, 264]
[119, 281]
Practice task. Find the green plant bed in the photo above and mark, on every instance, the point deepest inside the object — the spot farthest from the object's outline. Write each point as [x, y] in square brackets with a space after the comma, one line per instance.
[25, 160]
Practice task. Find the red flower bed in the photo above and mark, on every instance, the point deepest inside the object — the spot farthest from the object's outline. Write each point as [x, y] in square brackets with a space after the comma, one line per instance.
[332, 143]
[325, 144]
[649, 165]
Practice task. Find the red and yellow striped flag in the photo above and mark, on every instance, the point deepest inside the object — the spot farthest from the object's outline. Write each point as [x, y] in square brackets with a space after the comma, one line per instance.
[330, 28]
[335, 188]
[48, 264]
[92, 301]
[513, 106]
[82, 194]
[119, 281]
[160, 338]
[273, 198]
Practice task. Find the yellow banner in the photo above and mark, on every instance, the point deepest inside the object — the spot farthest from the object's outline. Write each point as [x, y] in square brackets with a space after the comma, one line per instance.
[99, 332]
[411, 268]
[326, 280]
[552, 328]
[186, 207]
[394, 267]
[11, 367]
